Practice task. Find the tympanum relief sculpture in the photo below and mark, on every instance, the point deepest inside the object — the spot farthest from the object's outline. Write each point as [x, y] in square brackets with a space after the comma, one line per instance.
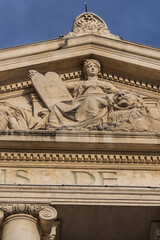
[90, 104]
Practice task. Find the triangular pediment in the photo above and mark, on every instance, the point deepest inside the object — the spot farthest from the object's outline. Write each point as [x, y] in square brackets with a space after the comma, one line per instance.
[80, 131]
[127, 67]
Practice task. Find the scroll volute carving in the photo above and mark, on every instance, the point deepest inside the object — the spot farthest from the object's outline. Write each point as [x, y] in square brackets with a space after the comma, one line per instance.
[90, 23]
[45, 216]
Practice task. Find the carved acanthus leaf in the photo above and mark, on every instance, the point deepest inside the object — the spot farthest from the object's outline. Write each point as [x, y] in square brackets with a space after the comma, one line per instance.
[21, 208]
[45, 217]
[90, 23]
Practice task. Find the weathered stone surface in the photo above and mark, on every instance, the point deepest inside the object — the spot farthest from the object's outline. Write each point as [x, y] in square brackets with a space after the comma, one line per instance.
[80, 176]
[89, 105]
[20, 226]
[50, 87]
[89, 140]
[90, 23]
[96, 105]
[25, 221]
[92, 104]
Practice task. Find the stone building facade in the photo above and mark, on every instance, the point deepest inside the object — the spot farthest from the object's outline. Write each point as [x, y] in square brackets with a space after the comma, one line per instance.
[80, 137]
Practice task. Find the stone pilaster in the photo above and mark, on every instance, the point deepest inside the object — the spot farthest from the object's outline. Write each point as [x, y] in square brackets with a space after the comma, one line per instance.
[24, 221]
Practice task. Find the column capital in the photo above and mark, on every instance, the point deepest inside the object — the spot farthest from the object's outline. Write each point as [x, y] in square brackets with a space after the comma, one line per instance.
[1, 216]
[21, 208]
[45, 216]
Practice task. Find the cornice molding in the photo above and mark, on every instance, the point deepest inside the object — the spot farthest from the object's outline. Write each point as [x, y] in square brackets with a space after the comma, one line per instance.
[79, 158]
[79, 141]
[15, 86]
[54, 44]
[78, 75]
[81, 195]
[21, 58]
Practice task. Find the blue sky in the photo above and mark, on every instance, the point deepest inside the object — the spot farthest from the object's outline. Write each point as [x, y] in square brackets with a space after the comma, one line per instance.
[28, 21]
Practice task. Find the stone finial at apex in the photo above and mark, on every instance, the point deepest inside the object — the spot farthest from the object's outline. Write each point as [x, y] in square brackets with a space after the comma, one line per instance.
[90, 23]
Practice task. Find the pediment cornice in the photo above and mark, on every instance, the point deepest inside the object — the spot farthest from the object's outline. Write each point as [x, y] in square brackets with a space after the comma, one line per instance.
[80, 141]
[60, 43]
[61, 55]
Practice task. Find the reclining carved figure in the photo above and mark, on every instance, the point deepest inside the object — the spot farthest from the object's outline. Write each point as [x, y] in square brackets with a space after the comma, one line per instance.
[12, 117]
[128, 112]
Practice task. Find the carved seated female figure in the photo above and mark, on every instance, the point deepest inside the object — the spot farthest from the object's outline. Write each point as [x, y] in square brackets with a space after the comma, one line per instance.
[90, 101]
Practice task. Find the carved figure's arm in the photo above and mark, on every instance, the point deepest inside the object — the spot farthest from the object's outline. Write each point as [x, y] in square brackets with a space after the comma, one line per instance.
[73, 88]
[70, 85]
[109, 88]
[43, 112]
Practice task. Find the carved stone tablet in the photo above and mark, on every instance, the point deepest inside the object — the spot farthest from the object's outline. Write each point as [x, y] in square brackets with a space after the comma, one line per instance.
[50, 88]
